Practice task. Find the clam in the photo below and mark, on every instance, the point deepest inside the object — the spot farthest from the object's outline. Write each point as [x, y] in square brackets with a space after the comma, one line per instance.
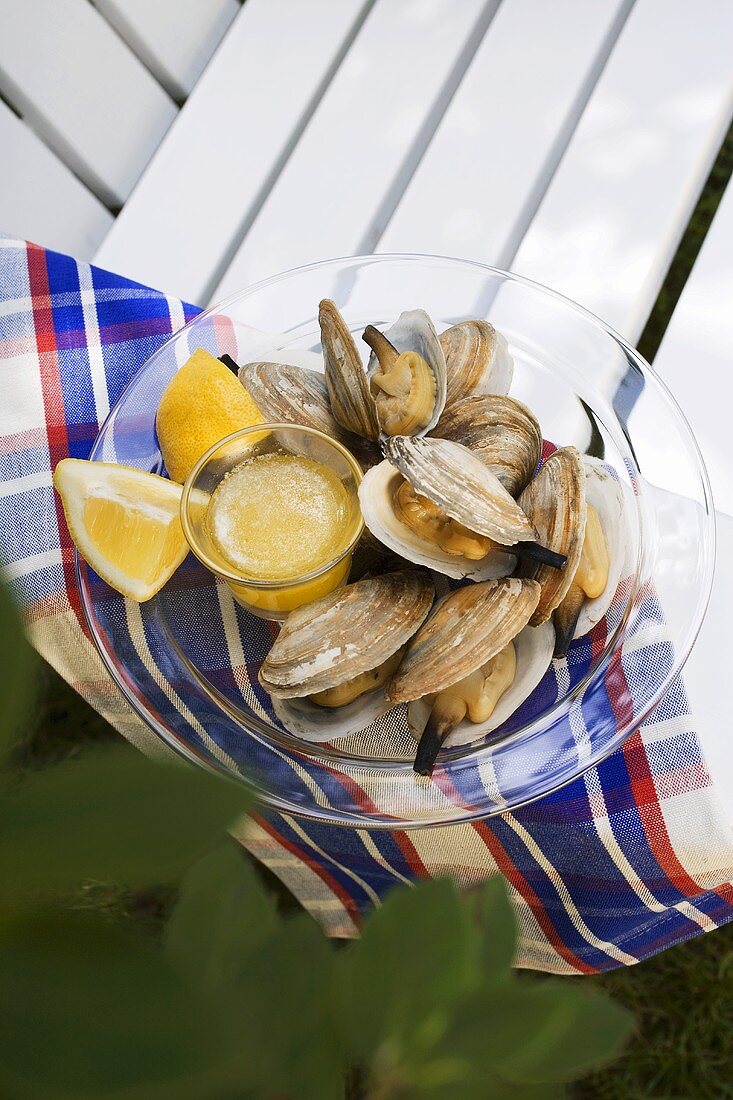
[296, 395]
[500, 431]
[602, 560]
[407, 374]
[477, 360]
[532, 653]
[293, 395]
[441, 545]
[447, 658]
[352, 404]
[447, 510]
[554, 501]
[328, 666]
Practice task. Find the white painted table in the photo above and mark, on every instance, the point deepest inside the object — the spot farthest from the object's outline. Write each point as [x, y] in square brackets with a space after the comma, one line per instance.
[198, 145]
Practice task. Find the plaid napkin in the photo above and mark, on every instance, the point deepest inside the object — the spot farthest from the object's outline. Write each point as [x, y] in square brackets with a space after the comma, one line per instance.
[633, 857]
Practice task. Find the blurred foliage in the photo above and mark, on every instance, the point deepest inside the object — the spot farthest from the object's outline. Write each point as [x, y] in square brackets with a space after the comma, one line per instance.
[236, 998]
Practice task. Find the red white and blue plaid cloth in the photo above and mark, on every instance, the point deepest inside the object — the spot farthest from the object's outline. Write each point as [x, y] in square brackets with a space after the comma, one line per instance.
[633, 857]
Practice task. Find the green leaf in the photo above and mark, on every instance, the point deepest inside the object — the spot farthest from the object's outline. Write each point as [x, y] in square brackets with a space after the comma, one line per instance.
[582, 1030]
[413, 960]
[286, 1003]
[18, 664]
[537, 1031]
[110, 814]
[492, 912]
[223, 915]
[88, 1009]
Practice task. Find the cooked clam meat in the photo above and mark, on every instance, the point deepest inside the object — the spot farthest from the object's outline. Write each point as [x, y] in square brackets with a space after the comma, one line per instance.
[327, 670]
[403, 388]
[476, 695]
[350, 690]
[431, 523]
[407, 374]
[449, 657]
[590, 582]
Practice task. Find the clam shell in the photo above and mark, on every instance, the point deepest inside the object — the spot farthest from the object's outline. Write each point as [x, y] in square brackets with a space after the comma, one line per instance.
[465, 630]
[348, 387]
[534, 646]
[500, 431]
[307, 720]
[376, 494]
[458, 482]
[606, 495]
[414, 331]
[477, 360]
[555, 502]
[292, 395]
[347, 632]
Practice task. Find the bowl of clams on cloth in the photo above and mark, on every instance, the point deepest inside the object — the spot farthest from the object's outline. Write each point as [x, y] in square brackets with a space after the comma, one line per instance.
[452, 540]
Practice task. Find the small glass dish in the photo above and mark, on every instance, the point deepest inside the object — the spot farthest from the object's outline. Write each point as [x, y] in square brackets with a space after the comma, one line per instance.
[271, 598]
[187, 660]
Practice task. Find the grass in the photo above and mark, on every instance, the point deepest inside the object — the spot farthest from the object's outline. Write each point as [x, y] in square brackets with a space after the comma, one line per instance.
[682, 999]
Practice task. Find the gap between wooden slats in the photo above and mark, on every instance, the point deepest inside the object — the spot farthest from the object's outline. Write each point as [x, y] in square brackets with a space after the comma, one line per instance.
[214, 169]
[83, 92]
[40, 198]
[174, 39]
[479, 183]
[361, 145]
[614, 212]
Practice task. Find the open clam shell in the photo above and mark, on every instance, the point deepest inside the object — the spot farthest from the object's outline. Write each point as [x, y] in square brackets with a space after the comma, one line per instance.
[352, 404]
[462, 486]
[465, 630]
[555, 503]
[534, 646]
[477, 360]
[500, 431]
[376, 496]
[346, 633]
[606, 494]
[311, 722]
[414, 331]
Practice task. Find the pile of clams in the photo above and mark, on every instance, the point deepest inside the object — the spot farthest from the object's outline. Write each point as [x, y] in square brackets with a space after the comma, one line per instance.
[453, 485]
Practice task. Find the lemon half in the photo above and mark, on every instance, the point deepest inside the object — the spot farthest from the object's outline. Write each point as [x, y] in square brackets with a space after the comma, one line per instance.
[201, 404]
[124, 522]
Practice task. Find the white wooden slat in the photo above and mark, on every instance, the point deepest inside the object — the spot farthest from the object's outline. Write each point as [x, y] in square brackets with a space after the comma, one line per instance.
[173, 38]
[364, 138]
[40, 199]
[614, 212]
[695, 357]
[479, 183]
[708, 670]
[218, 160]
[83, 91]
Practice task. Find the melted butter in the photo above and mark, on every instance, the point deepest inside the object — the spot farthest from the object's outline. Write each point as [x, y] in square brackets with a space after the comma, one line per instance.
[279, 516]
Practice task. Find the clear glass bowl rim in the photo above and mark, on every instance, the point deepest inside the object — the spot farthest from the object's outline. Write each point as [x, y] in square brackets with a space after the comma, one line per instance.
[650, 377]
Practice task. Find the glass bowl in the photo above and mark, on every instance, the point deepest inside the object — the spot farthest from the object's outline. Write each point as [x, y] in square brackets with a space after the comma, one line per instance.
[188, 659]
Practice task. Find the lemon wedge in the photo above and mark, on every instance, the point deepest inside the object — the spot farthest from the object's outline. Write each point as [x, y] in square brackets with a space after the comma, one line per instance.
[201, 404]
[124, 522]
